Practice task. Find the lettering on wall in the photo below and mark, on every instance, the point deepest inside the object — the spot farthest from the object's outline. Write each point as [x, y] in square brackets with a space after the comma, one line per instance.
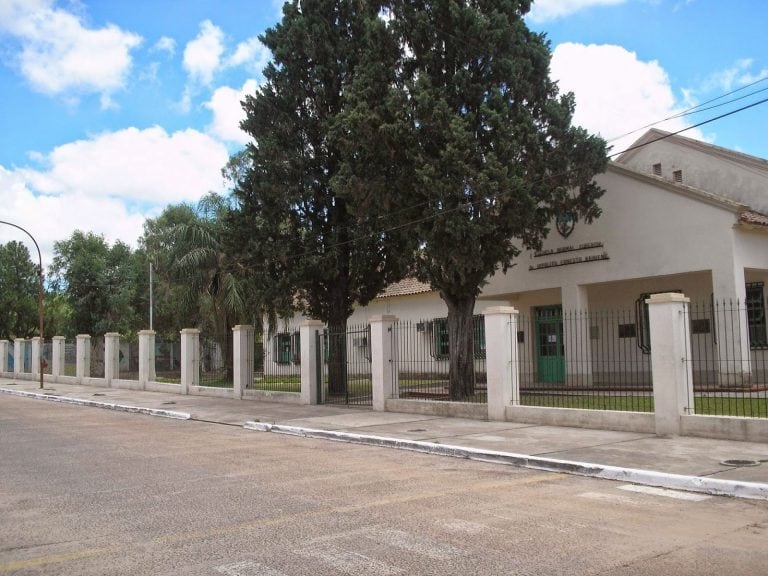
[569, 261]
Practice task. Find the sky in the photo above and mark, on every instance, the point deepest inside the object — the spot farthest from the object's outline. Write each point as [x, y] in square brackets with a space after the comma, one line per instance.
[111, 110]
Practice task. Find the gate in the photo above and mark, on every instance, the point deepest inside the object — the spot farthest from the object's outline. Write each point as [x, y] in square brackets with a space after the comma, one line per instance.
[345, 365]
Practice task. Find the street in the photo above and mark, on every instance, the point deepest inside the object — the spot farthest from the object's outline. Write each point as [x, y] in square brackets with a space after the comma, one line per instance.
[86, 491]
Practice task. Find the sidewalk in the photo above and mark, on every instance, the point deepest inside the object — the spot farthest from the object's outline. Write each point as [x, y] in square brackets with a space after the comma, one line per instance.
[681, 462]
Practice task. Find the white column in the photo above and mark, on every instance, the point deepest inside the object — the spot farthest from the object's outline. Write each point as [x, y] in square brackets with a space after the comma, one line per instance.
[18, 355]
[501, 362]
[383, 375]
[729, 292]
[578, 346]
[4, 347]
[310, 383]
[83, 351]
[670, 361]
[146, 357]
[190, 359]
[58, 348]
[242, 351]
[111, 357]
[37, 345]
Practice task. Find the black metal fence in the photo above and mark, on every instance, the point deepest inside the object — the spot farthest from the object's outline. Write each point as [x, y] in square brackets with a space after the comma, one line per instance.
[421, 362]
[216, 368]
[47, 353]
[128, 360]
[97, 357]
[583, 359]
[70, 358]
[728, 359]
[345, 354]
[168, 360]
[277, 362]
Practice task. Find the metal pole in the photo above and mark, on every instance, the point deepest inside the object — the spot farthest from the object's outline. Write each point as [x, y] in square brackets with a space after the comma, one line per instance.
[151, 299]
[39, 295]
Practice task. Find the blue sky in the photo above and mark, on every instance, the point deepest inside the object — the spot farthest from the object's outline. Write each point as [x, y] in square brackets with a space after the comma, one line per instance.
[113, 109]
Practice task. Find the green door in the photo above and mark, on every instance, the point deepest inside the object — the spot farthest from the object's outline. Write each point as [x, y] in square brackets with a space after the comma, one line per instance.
[550, 351]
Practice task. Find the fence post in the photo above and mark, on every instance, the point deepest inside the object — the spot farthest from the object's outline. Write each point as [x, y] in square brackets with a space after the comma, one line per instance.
[503, 380]
[111, 357]
[309, 368]
[34, 366]
[3, 356]
[146, 357]
[83, 358]
[58, 347]
[18, 356]
[190, 359]
[670, 352]
[382, 365]
[242, 351]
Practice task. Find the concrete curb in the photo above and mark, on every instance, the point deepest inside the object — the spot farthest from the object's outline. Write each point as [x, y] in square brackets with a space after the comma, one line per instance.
[94, 404]
[714, 486]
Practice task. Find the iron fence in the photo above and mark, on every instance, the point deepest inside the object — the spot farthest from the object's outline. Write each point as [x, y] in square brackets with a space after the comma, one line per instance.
[728, 358]
[47, 355]
[345, 354]
[128, 364]
[277, 362]
[168, 360]
[97, 357]
[590, 360]
[26, 356]
[216, 369]
[70, 358]
[421, 355]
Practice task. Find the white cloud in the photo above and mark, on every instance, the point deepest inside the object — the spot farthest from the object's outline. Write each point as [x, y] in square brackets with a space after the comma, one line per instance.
[735, 76]
[110, 183]
[228, 112]
[59, 55]
[165, 44]
[251, 53]
[202, 56]
[545, 10]
[616, 92]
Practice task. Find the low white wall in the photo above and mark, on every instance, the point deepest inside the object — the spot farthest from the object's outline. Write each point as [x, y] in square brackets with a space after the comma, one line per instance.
[168, 387]
[725, 427]
[598, 419]
[447, 409]
[269, 396]
[212, 391]
[127, 384]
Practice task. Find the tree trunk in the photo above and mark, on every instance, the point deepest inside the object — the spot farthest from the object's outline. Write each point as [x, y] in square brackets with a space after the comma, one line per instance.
[337, 359]
[461, 371]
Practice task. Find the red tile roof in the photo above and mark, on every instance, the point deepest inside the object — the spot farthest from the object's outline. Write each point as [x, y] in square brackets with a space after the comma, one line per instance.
[754, 218]
[406, 287]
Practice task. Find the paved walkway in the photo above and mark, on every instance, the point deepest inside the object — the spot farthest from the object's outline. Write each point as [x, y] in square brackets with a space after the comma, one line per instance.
[692, 463]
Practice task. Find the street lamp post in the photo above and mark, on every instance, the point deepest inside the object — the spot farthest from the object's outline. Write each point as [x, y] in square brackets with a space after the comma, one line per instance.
[39, 294]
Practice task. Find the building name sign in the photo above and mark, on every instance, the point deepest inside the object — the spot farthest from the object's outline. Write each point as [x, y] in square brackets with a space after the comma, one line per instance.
[569, 261]
[571, 248]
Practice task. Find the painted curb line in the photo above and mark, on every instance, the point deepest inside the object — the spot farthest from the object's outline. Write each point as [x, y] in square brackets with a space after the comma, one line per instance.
[95, 404]
[713, 486]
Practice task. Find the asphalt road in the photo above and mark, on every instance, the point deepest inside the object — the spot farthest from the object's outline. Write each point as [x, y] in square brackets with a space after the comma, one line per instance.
[86, 491]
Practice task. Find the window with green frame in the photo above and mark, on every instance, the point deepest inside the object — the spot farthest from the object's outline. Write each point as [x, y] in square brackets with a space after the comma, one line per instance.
[441, 347]
[283, 348]
[758, 335]
[296, 347]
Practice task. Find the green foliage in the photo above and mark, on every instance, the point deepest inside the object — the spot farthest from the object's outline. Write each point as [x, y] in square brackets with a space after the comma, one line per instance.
[18, 292]
[300, 227]
[101, 283]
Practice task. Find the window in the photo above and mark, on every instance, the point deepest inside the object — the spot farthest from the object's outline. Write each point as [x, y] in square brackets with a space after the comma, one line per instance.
[282, 348]
[657, 169]
[677, 176]
[627, 331]
[440, 337]
[756, 315]
[296, 347]
[643, 321]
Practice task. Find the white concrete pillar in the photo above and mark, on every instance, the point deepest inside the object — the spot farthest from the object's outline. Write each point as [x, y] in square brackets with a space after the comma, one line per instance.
[18, 355]
[310, 361]
[37, 350]
[242, 352]
[111, 357]
[501, 361]
[190, 359]
[383, 373]
[58, 350]
[83, 358]
[146, 357]
[4, 351]
[729, 293]
[670, 360]
[578, 346]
